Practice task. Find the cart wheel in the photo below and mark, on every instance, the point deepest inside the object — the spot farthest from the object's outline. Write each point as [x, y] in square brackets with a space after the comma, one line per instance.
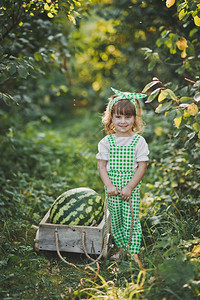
[106, 249]
[36, 240]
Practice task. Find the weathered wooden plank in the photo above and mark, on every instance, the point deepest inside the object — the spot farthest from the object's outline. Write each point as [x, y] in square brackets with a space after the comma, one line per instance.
[70, 237]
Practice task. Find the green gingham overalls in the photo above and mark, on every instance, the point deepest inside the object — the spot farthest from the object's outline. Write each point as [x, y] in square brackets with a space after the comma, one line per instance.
[121, 172]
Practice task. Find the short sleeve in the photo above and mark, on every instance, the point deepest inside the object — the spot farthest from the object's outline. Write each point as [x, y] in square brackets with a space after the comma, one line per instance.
[141, 150]
[103, 149]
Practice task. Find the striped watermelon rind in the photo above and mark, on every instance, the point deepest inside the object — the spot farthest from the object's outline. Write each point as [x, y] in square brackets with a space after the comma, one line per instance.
[80, 206]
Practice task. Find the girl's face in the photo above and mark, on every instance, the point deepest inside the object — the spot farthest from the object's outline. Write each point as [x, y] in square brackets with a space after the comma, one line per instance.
[123, 124]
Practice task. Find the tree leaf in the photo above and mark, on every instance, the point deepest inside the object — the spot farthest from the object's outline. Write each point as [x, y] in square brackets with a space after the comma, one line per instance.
[22, 72]
[46, 6]
[162, 96]
[153, 95]
[12, 68]
[170, 3]
[177, 121]
[149, 85]
[197, 97]
[50, 15]
[171, 94]
[197, 21]
[185, 99]
[191, 135]
[182, 14]
[171, 115]
[196, 126]
[8, 99]
[193, 109]
[152, 64]
[37, 56]
[163, 107]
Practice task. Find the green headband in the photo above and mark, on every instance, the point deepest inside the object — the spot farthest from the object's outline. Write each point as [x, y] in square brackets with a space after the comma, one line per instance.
[125, 95]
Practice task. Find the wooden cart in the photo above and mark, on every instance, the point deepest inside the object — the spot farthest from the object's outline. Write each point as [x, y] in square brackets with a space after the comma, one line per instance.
[70, 236]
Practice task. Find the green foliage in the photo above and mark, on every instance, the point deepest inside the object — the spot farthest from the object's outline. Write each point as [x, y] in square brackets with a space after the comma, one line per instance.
[178, 46]
[183, 112]
[47, 159]
[43, 155]
[49, 69]
[178, 170]
[34, 59]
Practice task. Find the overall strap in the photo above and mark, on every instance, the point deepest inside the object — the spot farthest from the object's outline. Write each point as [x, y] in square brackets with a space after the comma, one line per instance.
[135, 140]
[111, 140]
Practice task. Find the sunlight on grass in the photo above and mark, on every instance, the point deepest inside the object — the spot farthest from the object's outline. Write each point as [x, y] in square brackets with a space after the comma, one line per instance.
[109, 290]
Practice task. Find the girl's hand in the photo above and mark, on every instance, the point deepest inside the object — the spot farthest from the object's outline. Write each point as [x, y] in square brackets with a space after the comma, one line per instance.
[126, 193]
[112, 190]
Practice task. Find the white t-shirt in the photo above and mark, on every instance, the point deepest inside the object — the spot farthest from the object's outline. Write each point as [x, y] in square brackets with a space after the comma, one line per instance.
[141, 149]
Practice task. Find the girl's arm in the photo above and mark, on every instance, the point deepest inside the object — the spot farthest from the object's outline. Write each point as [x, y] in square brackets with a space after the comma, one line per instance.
[137, 177]
[111, 189]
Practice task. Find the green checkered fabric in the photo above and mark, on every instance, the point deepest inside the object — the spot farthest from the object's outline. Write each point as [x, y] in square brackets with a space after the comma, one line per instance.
[127, 96]
[122, 157]
[121, 172]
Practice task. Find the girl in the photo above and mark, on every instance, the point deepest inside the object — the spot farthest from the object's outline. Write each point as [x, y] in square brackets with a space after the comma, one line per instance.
[122, 163]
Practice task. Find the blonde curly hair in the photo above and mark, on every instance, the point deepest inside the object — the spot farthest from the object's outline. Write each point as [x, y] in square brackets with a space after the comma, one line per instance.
[123, 107]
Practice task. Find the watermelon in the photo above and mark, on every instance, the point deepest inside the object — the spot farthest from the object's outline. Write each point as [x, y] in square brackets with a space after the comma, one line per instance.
[80, 206]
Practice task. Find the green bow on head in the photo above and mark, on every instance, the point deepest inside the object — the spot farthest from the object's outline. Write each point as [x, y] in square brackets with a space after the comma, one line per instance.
[126, 95]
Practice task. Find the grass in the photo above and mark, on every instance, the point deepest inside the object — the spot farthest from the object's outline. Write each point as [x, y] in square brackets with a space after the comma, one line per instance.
[44, 161]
